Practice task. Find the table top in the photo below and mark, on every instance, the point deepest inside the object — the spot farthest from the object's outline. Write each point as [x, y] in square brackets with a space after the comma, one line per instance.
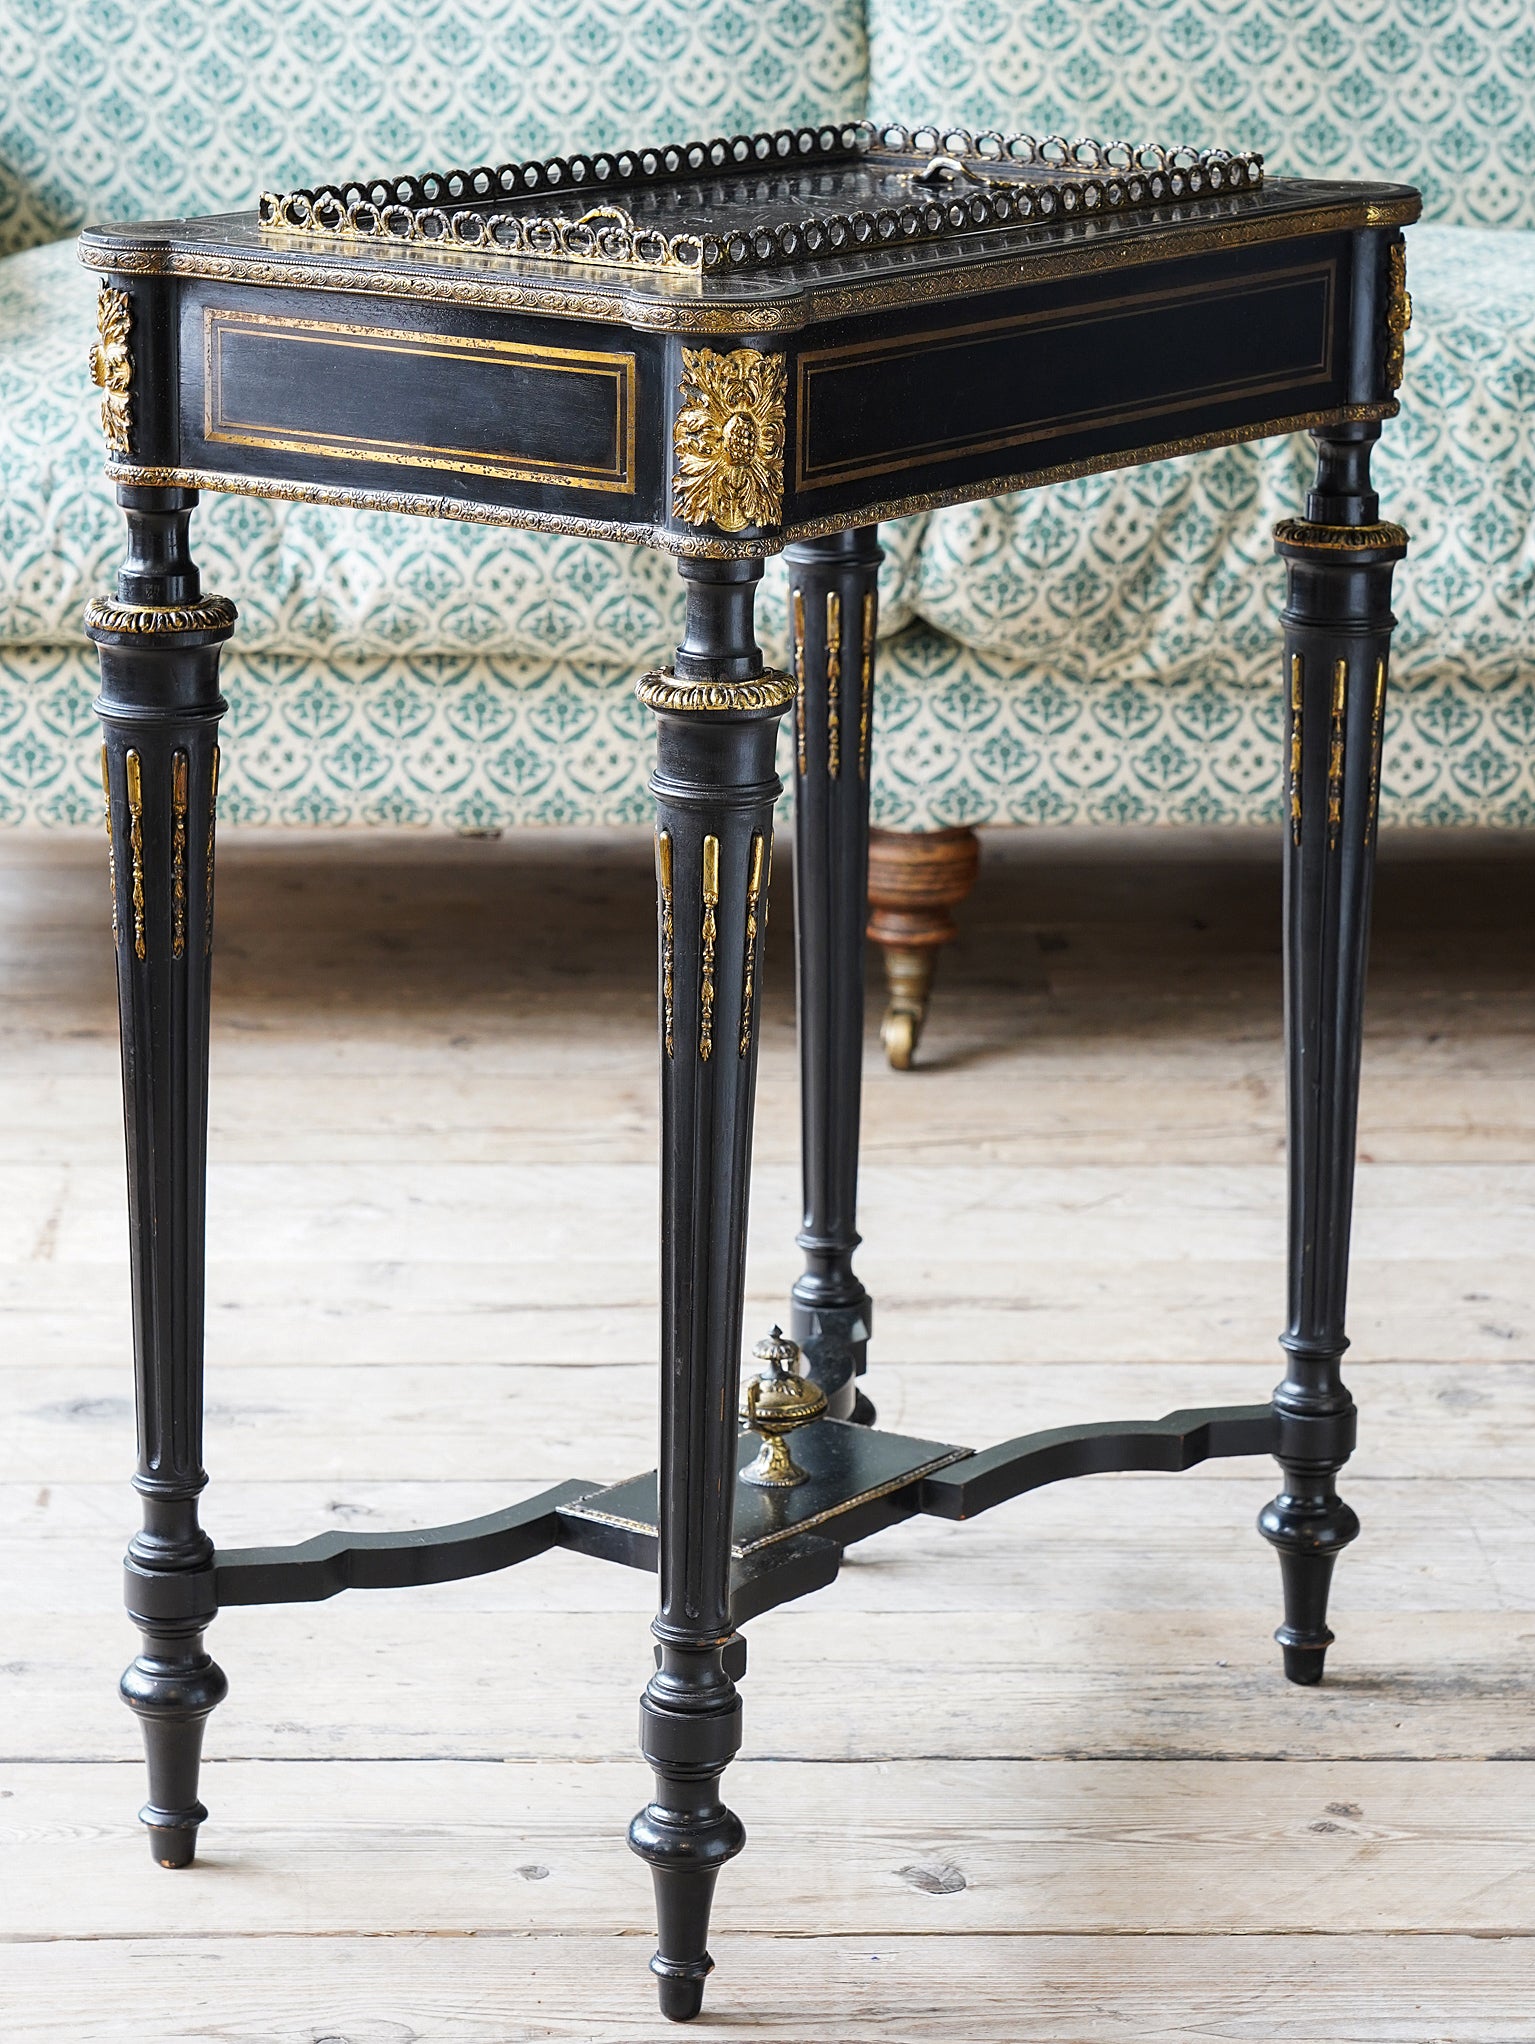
[790, 229]
[717, 347]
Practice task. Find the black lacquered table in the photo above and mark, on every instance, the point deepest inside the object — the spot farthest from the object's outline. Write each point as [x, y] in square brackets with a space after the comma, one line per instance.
[723, 350]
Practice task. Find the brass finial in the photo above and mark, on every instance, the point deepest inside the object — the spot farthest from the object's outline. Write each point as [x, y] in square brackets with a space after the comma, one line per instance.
[773, 1404]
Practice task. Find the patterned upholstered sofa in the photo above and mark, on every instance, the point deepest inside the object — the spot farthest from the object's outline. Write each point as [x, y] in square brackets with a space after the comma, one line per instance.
[1100, 651]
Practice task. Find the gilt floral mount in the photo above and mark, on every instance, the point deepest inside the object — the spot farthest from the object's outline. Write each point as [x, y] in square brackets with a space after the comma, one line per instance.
[663, 207]
[728, 439]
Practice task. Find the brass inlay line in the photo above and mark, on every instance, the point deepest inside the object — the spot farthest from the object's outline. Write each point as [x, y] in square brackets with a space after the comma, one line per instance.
[748, 974]
[931, 343]
[799, 678]
[866, 681]
[668, 933]
[178, 855]
[213, 799]
[1335, 754]
[711, 546]
[106, 790]
[1377, 740]
[833, 684]
[1297, 698]
[136, 847]
[710, 932]
[607, 365]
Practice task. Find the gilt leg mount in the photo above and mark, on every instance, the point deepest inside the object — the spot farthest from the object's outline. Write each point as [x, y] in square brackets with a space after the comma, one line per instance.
[916, 881]
[159, 640]
[1338, 624]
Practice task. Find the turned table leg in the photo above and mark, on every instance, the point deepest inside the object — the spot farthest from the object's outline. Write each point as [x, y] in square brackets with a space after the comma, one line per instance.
[916, 881]
[1338, 624]
[160, 706]
[717, 715]
[833, 608]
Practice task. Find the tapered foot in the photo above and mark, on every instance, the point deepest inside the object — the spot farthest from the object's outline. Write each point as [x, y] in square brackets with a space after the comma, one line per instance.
[863, 1413]
[686, 1840]
[1309, 1539]
[171, 1695]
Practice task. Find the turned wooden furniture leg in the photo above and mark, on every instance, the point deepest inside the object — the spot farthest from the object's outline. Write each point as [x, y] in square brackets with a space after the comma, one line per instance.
[717, 715]
[1338, 624]
[833, 608]
[916, 880]
[160, 706]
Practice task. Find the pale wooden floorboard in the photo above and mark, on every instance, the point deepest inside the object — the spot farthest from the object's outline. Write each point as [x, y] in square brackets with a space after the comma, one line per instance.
[1035, 1777]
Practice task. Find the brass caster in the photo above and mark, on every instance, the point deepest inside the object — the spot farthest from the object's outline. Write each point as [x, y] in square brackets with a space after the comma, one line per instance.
[899, 1033]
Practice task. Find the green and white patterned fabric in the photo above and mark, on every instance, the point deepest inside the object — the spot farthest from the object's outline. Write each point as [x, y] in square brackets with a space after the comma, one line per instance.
[1102, 651]
[1434, 93]
[148, 109]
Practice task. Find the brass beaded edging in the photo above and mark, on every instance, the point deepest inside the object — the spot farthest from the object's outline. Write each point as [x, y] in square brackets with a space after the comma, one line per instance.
[711, 895]
[770, 690]
[178, 854]
[749, 968]
[136, 847]
[106, 792]
[794, 309]
[212, 614]
[668, 932]
[1339, 539]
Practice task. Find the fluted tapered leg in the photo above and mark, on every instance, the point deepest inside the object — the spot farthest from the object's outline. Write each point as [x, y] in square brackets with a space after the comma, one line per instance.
[717, 714]
[1338, 624]
[159, 642]
[833, 609]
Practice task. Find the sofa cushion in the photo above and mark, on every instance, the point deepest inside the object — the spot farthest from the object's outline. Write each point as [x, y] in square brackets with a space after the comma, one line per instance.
[960, 737]
[1435, 93]
[143, 109]
[308, 579]
[1166, 574]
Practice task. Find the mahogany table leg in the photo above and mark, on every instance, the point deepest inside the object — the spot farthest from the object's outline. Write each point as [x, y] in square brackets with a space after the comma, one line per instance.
[160, 707]
[833, 609]
[715, 786]
[1338, 624]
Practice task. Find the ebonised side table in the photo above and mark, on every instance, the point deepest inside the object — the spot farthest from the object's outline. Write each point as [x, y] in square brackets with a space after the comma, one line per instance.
[724, 349]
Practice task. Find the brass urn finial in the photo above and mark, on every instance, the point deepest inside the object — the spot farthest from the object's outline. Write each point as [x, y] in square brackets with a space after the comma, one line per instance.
[773, 1404]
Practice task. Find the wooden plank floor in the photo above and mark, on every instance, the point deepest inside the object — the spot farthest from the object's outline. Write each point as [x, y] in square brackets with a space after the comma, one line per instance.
[1036, 1778]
